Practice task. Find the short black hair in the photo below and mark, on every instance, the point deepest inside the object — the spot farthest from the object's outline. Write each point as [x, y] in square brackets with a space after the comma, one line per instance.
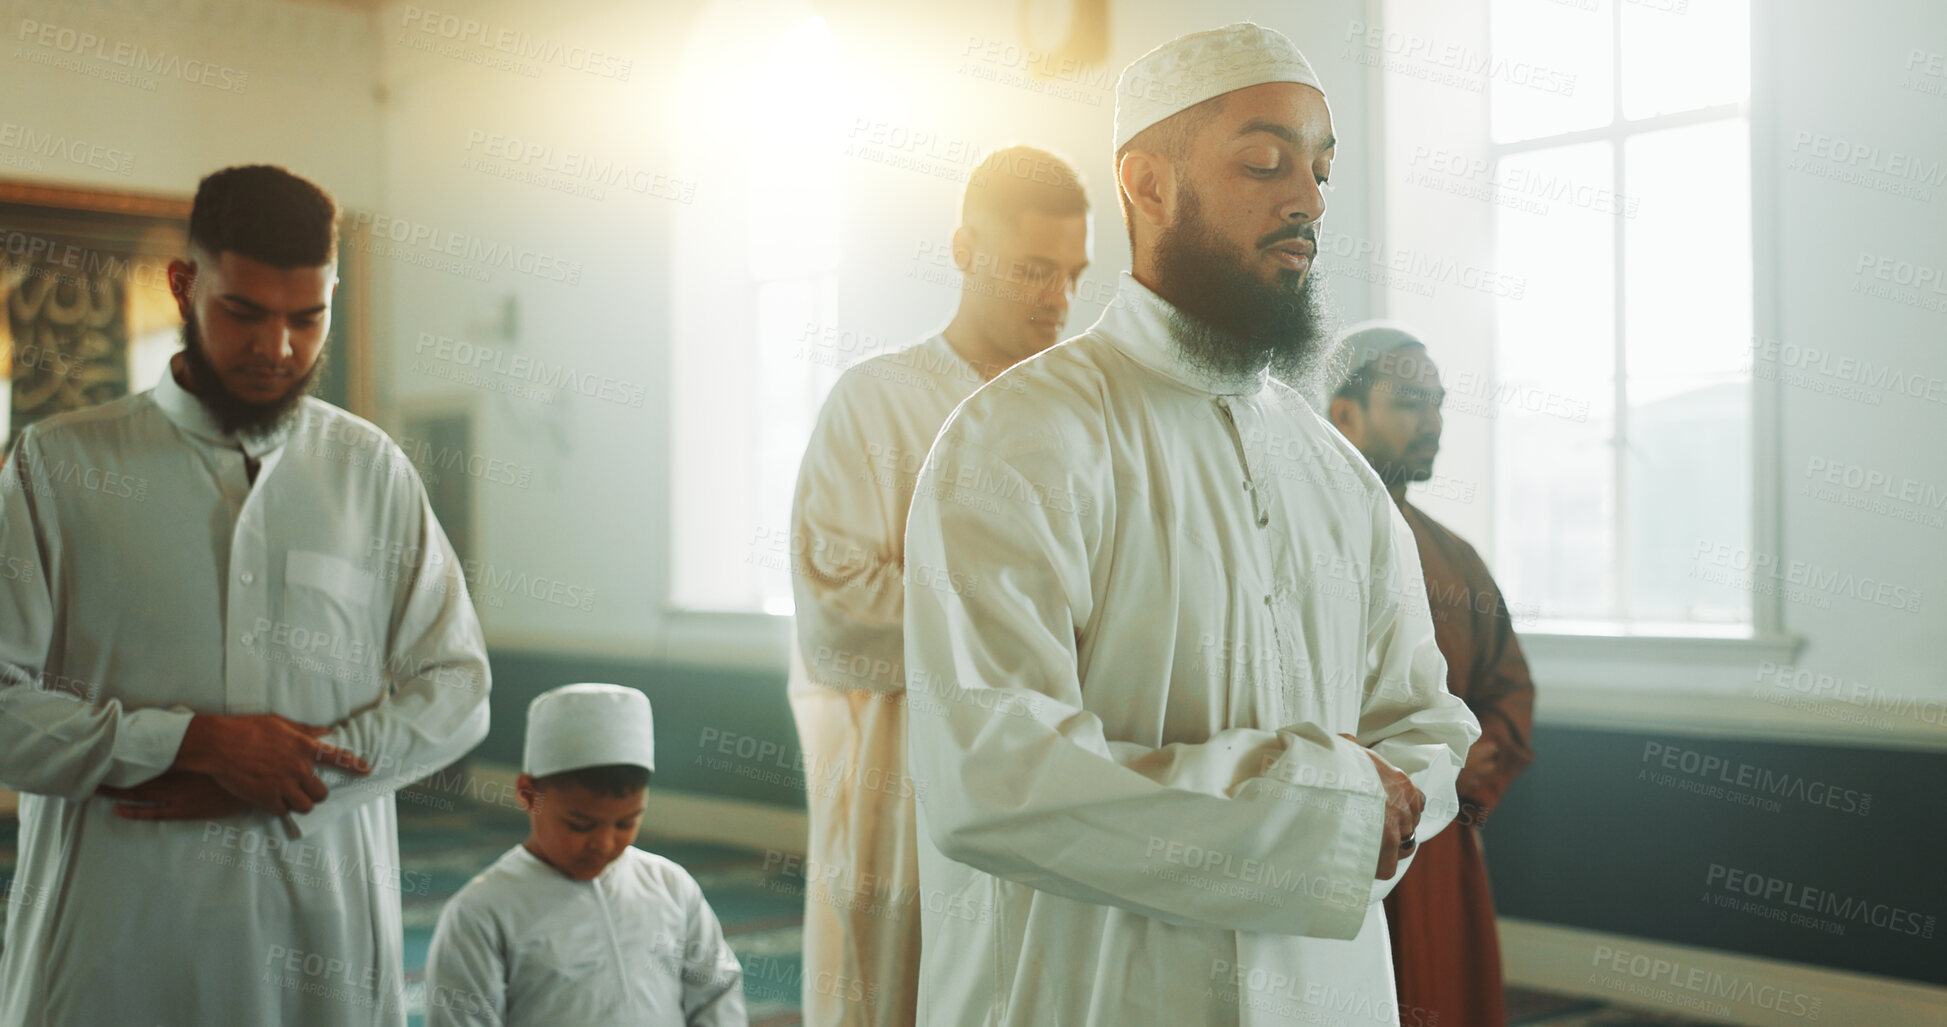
[1171, 138]
[1018, 179]
[267, 214]
[614, 779]
[1357, 386]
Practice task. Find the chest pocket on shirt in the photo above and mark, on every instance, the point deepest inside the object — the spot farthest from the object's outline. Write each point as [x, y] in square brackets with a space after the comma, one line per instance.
[333, 626]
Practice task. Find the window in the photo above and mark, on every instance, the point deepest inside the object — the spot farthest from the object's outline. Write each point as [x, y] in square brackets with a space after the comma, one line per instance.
[1623, 451]
[755, 261]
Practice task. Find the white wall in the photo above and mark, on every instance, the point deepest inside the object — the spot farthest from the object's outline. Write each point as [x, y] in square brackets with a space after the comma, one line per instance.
[1841, 73]
[596, 513]
[299, 80]
[588, 508]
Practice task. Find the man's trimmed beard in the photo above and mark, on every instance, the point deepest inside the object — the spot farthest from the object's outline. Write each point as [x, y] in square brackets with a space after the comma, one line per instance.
[1397, 470]
[1233, 324]
[232, 412]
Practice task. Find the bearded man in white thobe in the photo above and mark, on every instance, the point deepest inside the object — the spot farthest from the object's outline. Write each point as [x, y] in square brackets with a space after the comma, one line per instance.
[238, 630]
[1179, 733]
[1020, 248]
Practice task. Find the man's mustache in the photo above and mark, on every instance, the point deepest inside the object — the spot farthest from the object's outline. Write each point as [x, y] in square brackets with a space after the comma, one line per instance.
[1291, 231]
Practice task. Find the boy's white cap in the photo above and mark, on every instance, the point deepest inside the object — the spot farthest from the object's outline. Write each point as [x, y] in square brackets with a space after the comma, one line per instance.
[1190, 69]
[588, 725]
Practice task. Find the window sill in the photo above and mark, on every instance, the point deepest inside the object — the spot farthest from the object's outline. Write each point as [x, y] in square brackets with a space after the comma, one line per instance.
[717, 640]
[1690, 685]
[740, 640]
[1714, 687]
[1633, 662]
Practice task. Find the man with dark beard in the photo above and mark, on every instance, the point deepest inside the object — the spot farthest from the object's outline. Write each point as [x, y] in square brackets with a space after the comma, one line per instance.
[266, 392]
[1177, 714]
[1446, 952]
[271, 635]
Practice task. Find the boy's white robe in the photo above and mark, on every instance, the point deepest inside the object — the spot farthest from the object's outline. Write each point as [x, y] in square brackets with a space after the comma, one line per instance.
[523, 945]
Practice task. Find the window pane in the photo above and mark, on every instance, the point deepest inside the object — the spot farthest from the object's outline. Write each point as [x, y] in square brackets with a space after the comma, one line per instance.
[788, 392]
[1562, 326]
[758, 247]
[1679, 55]
[1687, 329]
[1555, 501]
[1553, 383]
[1686, 254]
[793, 161]
[1689, 515]
[1551, 66]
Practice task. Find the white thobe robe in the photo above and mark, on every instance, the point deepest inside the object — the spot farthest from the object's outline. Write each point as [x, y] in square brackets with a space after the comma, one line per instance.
[147, 581]
[1178, 589]
[524, 945]
[848, 520]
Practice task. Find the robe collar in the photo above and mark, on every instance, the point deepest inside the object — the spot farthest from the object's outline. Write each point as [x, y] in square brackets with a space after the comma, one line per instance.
[536, 864]
[187, 413]
[1143, 326]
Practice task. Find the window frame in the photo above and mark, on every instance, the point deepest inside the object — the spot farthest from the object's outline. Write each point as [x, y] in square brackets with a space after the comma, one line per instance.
[1666, 682]
[1700, 684]
[1767, 628]
[725, 634]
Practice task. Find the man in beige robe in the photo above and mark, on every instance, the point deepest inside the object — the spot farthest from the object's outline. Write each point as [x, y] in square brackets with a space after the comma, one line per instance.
[1021, 247]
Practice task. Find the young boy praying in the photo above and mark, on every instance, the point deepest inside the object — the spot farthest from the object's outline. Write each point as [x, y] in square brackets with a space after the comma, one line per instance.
[576, 925]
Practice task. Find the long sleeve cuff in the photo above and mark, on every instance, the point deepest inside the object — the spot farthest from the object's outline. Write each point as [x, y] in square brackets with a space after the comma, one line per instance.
[1353, 855]
[347, 790]
[146, 743]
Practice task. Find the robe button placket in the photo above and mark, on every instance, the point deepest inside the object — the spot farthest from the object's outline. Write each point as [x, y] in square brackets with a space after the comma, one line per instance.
[247, 577]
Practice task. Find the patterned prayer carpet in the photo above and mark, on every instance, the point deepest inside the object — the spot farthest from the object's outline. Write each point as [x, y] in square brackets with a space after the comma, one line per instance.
[761, 909]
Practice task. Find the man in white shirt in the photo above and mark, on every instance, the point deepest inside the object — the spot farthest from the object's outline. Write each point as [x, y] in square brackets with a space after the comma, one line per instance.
[1021, 247]
[240, 630]
[1179, 732]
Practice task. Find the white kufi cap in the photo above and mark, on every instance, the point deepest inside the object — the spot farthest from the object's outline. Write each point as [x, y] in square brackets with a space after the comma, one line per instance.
[1190, 69]
[1364, 343]
[578, 726]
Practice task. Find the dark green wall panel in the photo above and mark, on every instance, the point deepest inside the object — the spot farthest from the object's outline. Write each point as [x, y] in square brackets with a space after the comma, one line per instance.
[1639, 834]
[1622, 832]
